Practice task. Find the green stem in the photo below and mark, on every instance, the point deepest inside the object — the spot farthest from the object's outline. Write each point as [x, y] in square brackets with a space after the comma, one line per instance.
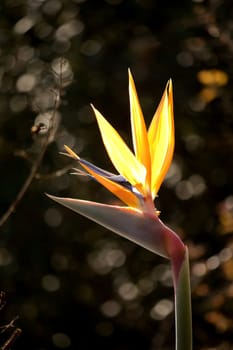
[183, 311]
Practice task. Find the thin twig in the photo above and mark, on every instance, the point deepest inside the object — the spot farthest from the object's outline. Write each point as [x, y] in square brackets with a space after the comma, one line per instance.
[8, 343]
[53, 174]
[11, 324]
[26, 184]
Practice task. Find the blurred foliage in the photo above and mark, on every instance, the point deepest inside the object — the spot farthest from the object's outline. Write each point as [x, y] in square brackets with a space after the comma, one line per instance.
[72, 283]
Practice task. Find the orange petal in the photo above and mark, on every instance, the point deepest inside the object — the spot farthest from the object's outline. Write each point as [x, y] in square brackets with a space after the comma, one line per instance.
[161, 139]
[119, 191]
[119, 153]
[139, 132]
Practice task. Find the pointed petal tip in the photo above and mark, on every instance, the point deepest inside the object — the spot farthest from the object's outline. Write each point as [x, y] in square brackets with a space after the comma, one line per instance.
[131, 81]
[50, 196]
[97, 113]
[67, 202]
[54, 198]
[130, 74]
[71, 153]
[63, 200]
[169, 86]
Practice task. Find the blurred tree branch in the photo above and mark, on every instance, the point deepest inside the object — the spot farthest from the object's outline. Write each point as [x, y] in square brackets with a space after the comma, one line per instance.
[50, 132]
[11, 325]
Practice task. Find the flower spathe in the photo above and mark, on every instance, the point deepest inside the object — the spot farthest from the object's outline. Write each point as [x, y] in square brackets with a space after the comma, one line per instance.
[140, 176]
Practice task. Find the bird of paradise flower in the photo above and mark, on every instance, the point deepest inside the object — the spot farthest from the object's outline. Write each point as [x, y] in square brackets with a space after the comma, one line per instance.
[140, 176]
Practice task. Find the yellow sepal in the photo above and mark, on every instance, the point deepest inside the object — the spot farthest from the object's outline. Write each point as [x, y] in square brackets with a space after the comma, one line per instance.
[139, 132]
[161, 139]
[121, 156]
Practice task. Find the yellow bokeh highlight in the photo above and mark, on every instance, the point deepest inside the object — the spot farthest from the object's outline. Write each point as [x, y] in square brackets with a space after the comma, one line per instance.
[212, 77]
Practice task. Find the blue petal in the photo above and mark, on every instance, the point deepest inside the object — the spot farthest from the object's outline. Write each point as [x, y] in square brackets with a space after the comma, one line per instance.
[113, 177]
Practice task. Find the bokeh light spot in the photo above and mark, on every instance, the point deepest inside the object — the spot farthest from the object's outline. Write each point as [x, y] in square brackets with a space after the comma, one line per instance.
[225, 254]
[18, 103]
[60, 262]
[128, 291]
[199, 269]
[193, 142]
[53, 217]
[162, 309]
[24, 24]
[184, 190]
[213, 262]
[26, 53]
[91, 47]
[196, 104]
[52, 7]
[105, 260]
[5, 257]
[185, 59]
[69, 30]
[198, 184]
[212, 77]
[110, 308]
[146, 286]
[63, 71]
[26, 82]
[61, 340]
[174, 174]
[50, 283]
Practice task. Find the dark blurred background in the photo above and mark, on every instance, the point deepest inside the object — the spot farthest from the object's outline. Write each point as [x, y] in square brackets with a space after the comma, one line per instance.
[73, 284]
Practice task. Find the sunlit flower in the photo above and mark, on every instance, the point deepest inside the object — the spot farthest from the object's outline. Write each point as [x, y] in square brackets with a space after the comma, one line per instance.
[139, 178]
